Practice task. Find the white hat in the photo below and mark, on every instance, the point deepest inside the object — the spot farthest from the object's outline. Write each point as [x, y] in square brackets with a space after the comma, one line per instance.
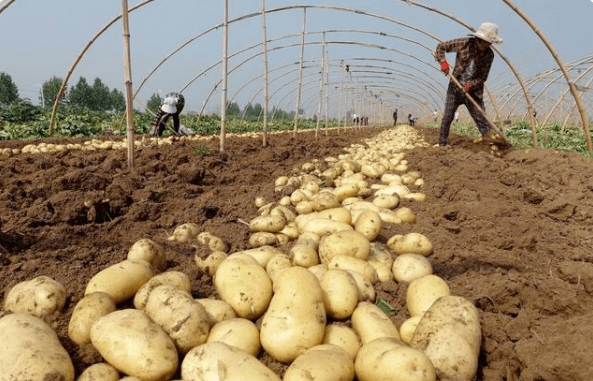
[488, 32]
[169, 105]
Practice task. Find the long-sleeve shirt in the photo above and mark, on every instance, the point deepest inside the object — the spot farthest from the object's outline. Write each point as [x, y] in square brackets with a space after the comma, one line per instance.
[472, 65]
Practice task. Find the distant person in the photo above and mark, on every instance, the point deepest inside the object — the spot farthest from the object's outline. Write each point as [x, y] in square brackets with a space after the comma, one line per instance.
[395, 117]
[171, 106]
[435, 115]
[411, 120]
[472, 65]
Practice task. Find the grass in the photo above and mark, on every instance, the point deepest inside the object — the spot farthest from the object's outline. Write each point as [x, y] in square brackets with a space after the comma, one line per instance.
[550, 136]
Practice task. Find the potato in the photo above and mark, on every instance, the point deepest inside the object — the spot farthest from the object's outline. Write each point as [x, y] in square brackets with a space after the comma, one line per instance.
[244, 284]
[271, 224]
[325, 362]
[295, 319]
[237, 332]
[121, 280]
[346, 262]
[259, 239]
[368, 223]
[340, 293]
[415, 243]
[135, 345]
[285, 212]
[449, 334]
[290, 230]
[408, 327]
[386, 201]
[213, 242]
[365, 288]
[387, 359]
[406, 215]
[261, 254]
[336, 214]
[173, 278]
[304, 252]
[347, 242]
[407, 267]
[304, 207]
[344, 337]
[277, 264]
[99, 372]
[150, 251]
[219, 361]
[371, 323]
[185, 233]
[186, 322]
[345, 191]
[39, 297]
[217, 310]
[423, 291]
[318, 270]
[322, 226]
[389, 217]
[30, 350]
[324, 200]
[210, 264]
[85, 313]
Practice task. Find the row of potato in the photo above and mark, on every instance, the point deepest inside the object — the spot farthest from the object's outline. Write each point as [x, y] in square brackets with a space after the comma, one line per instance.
[312, 307]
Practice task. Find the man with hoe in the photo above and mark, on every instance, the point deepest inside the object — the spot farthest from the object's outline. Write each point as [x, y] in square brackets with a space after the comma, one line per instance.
[472, 66]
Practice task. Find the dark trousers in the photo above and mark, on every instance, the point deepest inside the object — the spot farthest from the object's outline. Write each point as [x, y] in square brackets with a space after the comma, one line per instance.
[159, 123]
[456, 98]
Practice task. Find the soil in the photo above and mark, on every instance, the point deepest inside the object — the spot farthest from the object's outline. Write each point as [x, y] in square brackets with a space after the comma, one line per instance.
[511, 233]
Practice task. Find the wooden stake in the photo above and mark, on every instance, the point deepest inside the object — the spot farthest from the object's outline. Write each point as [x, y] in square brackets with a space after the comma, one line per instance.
[225, 63]
[298, 101]
[265, 57]
[128, 82]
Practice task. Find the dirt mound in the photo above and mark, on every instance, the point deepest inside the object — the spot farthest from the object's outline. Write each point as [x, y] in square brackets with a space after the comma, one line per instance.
[512, 231]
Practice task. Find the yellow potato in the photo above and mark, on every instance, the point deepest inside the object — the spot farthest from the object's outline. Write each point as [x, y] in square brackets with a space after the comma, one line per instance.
[386, 201]
[347, 262]
[173, 278]
[85, 313]
[260, 239]
[371, 323]
[422, 293]
[406, 330]
[237, 332]
[346, 242]
[344, 337]
[406, 215]
[121, 280]
[30, 350]
[217, 310]
[325, 200]
[325, 362]
[340, 293]
[407, 267]
[213, 242]
[99, 372]
[368, 223]
[415, 243]
[185, 233]
[271, 224]
[322, 226]
[39, 297]
[261, 254]
[150, 251]
[277, 264]
[210, 264]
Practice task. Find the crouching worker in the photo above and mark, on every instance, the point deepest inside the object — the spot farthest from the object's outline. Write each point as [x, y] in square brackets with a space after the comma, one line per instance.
[171, 106]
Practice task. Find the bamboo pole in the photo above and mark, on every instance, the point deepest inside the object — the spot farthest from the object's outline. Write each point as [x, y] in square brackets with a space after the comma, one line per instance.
[128, 82]
[326, 69]
[265, 59]
[298, 100]
[79, 57]
[320, 100]
[573, 89]
[5, 5]
[225, 62]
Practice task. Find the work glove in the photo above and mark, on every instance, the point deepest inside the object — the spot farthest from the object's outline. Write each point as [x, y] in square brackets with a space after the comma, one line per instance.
[445, 67]
[467, 86]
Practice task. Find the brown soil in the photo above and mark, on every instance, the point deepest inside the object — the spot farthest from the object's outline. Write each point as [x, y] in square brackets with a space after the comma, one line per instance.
[512, 234]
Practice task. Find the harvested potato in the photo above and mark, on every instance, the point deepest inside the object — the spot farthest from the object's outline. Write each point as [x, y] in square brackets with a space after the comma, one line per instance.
[210, 264]
[387, 359]
[325, 362]
[217, 310]
[172, 278]
[261, 254]
[346, 262]
[415, 243]
[85, 313]
[121, 280]
[386, 201]
[336, 214]
[324, 200]
[295, 319]
[371, 323]
[237, 332]
[219, 361]
[423, 291]
[365, 288]
[340, 293]
[99, 372]
[406, 215]
[135, 345]
[323, 226]
[345, 191]
[213, 242]
[259, 239]
[39, 297]
[186, 322]
[344, 337]
[271, 224]
[368, 223]
[408, 267]
[347, 243]
[449, 334]
[150, 251]
[244, 284]
[406, 330]
[30, 350]
[185, 233]
[304, 252]
[277, 264]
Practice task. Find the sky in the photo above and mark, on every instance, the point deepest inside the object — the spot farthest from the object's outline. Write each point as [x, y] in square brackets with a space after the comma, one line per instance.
[387, 43]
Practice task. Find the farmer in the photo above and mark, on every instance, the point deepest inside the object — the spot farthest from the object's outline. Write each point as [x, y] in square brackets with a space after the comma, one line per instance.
[411, 120]
[472, 66]
[171, 106]
[395, 117]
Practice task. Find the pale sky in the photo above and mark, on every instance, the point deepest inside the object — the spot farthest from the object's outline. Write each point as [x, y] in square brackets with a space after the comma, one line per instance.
[40, 39]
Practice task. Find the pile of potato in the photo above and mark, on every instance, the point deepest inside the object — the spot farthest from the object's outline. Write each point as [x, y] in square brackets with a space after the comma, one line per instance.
[310, 304]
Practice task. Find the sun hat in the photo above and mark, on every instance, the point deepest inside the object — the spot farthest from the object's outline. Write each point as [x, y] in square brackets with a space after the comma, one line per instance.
[488, 32]
[169, 105]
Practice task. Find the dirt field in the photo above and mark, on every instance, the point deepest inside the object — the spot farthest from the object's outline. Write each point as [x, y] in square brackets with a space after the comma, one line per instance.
[513, 234]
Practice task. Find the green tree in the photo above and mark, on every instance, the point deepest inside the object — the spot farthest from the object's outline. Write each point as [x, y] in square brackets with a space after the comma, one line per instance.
[101, 97]
[49, 91]
[233, 109]
[9, 93]
[154, 102]
[81, 95]
[118, 101]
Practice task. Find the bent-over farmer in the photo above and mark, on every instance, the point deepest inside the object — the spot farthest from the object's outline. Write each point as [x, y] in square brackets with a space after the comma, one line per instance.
[472, 66]
[171, 106]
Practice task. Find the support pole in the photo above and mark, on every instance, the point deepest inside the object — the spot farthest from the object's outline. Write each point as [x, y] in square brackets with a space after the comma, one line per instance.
[265, 57]
[298, 100]
[128, 83]
[225, 63]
